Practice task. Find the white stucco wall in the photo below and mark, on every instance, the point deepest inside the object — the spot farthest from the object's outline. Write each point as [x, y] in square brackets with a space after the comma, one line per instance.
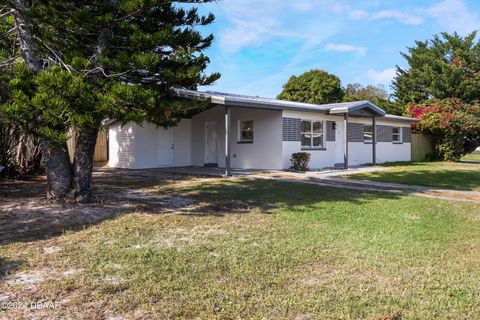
[215, 114]
[264, 153]
[136, 147]
[121, 152]
[266, 150]
[146, 145]
[359, 152]
[390, 152]
[318, 158]
[182, 140]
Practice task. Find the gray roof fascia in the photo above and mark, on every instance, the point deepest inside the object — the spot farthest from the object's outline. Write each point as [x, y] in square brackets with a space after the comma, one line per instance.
[271, 106]
[353, 106]
[274, 104]
[399, 118]
[190, 94]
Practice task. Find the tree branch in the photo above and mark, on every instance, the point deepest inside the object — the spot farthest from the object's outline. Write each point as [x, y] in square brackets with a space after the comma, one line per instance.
[6, 13]
[59, 60]
[9, 61]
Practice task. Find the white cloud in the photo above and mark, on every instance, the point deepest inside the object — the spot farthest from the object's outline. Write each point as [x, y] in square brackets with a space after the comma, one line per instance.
[345, 48]
[250, 25]
[303, 5]
[256, 23]
[384, 77]
[454, 15]
[359, 14]
[403, 17]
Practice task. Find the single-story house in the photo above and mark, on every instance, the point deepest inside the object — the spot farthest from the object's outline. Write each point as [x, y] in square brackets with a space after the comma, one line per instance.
[248, 132]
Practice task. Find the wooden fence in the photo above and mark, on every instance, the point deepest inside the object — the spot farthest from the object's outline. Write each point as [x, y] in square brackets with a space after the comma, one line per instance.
[101, 148]
[422, 147]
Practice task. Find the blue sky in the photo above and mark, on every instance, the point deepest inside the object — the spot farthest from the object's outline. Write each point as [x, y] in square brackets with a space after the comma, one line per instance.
[259, 44]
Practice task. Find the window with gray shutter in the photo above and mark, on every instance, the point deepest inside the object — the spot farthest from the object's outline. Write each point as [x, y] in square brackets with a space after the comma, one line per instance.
[291, 129]
[355, 132]
[331, 126]
[384, 133]
[407, 135]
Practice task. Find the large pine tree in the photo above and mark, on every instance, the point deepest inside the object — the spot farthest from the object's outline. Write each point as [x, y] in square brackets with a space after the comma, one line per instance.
[446, 66]
[71, 64]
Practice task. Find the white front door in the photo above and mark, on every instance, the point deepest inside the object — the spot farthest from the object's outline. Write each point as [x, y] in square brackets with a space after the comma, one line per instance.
[165, 147]
[211, 142]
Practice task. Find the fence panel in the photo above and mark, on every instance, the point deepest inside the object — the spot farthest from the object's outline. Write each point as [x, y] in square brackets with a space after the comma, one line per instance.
[101, 148]
[421, 147]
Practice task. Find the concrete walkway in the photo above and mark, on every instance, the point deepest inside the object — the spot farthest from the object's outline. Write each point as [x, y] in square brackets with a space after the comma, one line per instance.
[209, 171]
[331, 179]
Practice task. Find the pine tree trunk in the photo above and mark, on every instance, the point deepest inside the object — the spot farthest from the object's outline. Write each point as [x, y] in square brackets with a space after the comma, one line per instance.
[83, 163]
[59, 170]
[28, 47]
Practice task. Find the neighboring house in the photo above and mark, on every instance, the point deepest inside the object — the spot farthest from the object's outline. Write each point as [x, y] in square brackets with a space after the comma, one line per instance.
[262, 134]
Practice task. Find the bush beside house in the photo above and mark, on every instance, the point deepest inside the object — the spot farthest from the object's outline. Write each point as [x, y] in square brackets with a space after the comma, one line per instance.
[300, 161]
[453, 125]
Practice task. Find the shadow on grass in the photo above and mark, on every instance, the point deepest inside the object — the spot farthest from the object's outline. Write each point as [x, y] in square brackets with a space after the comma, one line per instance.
[470, 162]
[402, 163]
[21, 189]
[26, 216]
[242, 196]
[8, 267]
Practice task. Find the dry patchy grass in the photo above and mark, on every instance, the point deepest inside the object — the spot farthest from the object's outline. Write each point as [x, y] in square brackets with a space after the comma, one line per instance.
[240, 248]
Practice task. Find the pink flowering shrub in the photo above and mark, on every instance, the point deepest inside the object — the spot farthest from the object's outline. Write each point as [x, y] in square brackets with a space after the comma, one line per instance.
[454, 126]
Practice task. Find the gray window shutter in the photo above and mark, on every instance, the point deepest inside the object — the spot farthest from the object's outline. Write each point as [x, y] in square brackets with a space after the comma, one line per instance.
[291, 129]
[355, 132]
[407, 135]
[331, 130]
[384, 134]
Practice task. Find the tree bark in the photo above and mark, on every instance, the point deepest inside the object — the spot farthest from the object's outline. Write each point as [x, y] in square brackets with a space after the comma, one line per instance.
[63, 182]
[83, 163]
[55, 156]
[28, 47]
[59, 170]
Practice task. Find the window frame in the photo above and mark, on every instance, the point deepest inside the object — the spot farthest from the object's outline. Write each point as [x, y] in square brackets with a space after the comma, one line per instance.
[323, 134]
[400, 135]
[240, 131]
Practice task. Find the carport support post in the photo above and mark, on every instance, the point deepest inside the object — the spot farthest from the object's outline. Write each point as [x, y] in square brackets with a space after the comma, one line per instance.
[228, 129]
[345, 140]
[374, 140]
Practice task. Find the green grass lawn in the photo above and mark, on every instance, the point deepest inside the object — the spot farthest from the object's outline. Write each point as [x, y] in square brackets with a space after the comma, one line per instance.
[266, 250]
[474, 156]
[442, 175]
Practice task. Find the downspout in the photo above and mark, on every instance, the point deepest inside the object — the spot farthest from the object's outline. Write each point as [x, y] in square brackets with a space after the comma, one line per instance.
[374, 140]
[228, 116]
[345, 140]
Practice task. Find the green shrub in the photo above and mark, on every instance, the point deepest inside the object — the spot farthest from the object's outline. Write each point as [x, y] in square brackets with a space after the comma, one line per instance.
[300, 161]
